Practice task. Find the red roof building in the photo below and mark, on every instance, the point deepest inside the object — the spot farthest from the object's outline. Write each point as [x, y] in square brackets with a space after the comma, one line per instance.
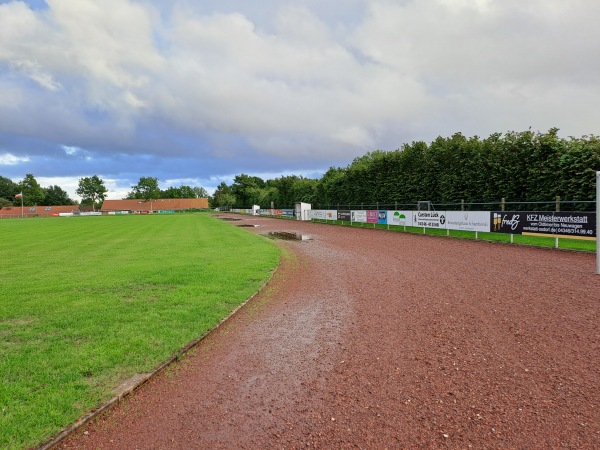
[37, 211]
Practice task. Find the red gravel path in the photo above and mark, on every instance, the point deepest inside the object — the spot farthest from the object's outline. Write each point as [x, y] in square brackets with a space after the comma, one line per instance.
[374, 339]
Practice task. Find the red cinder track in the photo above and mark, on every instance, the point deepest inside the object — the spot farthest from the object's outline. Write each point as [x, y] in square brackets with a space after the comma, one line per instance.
[373, 339]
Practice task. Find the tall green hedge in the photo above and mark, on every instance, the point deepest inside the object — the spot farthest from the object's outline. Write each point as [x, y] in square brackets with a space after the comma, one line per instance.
[518, 166]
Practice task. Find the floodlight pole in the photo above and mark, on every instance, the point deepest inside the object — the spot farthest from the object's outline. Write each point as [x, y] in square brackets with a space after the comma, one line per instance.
[598, 223]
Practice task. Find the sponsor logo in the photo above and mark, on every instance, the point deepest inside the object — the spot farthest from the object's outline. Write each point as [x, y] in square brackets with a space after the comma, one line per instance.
[506, 221]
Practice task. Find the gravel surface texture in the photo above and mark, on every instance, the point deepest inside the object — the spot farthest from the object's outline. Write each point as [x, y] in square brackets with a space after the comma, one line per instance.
[373, 339]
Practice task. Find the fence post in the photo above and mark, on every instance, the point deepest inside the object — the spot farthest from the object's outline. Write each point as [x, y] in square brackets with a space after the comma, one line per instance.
[462, 204]
[396, 205]
[502, 204]
[557, 210]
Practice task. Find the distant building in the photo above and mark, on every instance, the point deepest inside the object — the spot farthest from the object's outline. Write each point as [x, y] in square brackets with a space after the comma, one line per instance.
[86, 208]
[138, 206]
[37, 211]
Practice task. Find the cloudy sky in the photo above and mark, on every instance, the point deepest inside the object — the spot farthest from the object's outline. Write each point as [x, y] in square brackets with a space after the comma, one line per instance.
[195, 92]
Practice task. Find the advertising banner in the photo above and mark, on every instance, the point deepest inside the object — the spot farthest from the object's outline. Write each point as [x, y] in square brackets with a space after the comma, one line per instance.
[344, 215]
[468, 221]
[372, 216]
[330, 214]
[316, 214]
[400, 218]
[322, 214]
[288, 212]
[575, 225]
[429, 219]
[382, 217]
[358, 216]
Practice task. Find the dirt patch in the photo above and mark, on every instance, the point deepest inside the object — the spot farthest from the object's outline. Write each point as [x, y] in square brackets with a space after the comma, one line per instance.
[373, 339]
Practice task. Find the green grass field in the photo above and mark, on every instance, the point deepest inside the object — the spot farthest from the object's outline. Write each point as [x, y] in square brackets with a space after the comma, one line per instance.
[536, 241]
[87, 302]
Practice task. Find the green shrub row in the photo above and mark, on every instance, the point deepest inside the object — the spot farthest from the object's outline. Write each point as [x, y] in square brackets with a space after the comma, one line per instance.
[519, 166]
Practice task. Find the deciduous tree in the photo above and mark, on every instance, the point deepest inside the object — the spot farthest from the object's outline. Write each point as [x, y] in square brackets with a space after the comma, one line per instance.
[223, 196]
[55, 195]
[146, 189]
[8, 189]
[33, 194]
[200, 192]
[246, 189]
[92, 190]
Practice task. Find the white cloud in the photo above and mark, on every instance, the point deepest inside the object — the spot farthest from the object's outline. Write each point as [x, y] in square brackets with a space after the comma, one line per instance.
[465, 42]
[111, 41]
[70, 150]
[34, 71]
[475, 59]
[291, 81]
[8, 159]
[117, 188]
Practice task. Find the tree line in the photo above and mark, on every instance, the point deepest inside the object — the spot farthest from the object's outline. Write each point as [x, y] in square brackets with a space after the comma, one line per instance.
[92, 191]
[518, 166]
[32, 193]
[147, 189]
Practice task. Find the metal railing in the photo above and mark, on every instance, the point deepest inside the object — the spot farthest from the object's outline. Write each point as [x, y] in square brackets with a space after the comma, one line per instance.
[499, 205]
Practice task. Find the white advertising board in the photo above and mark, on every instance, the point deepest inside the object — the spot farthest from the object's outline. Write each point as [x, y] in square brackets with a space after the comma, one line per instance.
[322, 214]
[429, 219]
[331, 214]
[358, 216]
[400, 218]
[468, 220]
[316, 214]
